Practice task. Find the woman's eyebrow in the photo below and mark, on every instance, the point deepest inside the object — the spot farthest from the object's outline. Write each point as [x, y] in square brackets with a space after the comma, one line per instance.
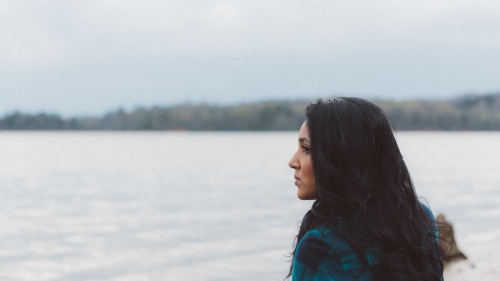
[304, 139]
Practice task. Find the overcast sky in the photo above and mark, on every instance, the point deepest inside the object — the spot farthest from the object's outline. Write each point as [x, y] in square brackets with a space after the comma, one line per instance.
[89, 57]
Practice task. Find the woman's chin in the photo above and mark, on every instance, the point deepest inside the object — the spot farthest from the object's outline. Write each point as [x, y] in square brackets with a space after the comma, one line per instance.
[305, 196]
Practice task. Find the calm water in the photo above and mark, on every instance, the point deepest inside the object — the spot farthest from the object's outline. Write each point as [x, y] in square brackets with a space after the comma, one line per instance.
[202, 206]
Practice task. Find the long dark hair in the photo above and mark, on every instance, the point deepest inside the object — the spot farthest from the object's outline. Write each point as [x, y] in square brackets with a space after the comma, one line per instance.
[362, 182]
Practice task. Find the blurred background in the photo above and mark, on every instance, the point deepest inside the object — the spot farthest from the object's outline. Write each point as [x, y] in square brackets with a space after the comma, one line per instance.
[149, 140]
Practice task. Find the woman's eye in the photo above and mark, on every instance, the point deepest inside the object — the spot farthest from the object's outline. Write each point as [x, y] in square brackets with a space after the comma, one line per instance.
[305, 149]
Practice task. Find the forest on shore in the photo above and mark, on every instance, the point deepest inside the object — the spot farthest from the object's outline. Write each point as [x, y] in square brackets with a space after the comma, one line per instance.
[469, 112]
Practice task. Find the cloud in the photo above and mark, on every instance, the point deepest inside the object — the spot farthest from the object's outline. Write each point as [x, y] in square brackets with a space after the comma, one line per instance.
[55, 29]
[130, 52]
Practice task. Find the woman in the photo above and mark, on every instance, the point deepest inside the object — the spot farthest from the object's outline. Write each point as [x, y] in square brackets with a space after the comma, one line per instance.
[366, 222]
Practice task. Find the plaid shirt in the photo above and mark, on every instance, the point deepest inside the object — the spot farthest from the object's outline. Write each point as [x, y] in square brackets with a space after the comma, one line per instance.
[324, 255]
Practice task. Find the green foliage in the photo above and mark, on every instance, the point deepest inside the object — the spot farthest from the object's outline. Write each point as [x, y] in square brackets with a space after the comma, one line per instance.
[42, 121]
[471, 112]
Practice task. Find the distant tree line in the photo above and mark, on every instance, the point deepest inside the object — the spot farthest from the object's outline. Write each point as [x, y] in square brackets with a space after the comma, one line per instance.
[472, 112]
[469, 112]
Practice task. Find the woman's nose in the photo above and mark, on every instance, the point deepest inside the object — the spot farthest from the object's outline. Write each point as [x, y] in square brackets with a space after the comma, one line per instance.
[293, 163]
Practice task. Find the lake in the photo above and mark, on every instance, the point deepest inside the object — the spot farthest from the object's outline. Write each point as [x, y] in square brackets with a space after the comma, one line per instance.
[206, 205]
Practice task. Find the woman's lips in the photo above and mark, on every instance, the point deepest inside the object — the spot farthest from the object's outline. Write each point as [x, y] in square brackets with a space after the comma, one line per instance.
[297, 179]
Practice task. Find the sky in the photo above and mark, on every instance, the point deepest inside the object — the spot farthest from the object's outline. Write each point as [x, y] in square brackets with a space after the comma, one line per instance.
[90, 57]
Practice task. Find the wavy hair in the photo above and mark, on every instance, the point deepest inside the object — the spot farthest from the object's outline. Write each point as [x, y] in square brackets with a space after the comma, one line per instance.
[362, 182]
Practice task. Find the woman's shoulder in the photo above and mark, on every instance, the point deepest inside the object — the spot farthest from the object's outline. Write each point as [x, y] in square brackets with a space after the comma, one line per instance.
[325, 237]
[316, 256]
[323, 252]
[319, 242]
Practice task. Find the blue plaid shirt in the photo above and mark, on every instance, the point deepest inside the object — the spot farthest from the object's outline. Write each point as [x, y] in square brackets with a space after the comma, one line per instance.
[324, 255]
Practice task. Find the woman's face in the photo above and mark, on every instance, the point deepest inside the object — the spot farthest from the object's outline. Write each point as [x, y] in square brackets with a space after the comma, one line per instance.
[301, 162]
